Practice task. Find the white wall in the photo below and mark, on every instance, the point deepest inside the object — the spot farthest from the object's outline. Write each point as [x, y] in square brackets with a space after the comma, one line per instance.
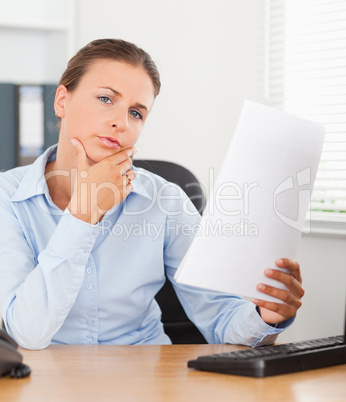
[322, 259]
[203, 65]
[210, 57]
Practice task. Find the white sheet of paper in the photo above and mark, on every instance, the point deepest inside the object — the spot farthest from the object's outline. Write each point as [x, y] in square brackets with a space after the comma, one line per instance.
[257, 208]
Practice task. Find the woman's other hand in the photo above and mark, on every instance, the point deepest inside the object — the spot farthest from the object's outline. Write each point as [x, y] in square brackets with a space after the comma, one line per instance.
[274, 313]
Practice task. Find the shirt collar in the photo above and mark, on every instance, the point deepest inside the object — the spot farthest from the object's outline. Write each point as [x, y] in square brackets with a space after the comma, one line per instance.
[33, 182]
[139, 184]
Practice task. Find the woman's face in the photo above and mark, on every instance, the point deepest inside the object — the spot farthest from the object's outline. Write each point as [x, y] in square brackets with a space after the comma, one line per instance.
[107, 110]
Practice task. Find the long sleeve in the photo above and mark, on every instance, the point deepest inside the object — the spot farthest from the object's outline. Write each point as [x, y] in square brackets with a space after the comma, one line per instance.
[226, 318]
[36, 293]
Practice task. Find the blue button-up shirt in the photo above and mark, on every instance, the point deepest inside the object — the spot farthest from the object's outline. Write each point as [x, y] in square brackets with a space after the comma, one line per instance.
[64, 281]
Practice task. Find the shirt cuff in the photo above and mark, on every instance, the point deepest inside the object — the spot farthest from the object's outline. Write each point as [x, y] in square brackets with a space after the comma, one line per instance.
[272, 331]
[253, 331]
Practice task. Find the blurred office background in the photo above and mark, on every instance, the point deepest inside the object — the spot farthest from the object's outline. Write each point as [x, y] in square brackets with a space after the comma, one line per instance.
[211, 55]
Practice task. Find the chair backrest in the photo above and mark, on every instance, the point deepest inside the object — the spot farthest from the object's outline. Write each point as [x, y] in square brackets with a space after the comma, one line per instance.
[176, 323]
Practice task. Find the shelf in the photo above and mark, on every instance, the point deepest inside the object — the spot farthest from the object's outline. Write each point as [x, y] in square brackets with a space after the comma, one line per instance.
[37, 39]
[34, 25]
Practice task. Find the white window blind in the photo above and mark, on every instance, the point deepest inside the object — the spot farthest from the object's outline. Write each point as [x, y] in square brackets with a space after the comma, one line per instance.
[306, 75]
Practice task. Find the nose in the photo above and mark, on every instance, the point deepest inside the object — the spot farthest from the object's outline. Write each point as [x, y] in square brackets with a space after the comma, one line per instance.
[120, 120]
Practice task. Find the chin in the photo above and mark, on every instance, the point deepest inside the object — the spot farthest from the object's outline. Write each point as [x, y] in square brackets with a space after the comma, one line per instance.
[96, 157]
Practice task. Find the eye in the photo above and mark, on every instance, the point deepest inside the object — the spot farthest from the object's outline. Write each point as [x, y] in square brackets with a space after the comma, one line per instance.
[136, 114]
[104, 99]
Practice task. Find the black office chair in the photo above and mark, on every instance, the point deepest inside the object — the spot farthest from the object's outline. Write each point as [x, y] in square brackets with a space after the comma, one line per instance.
[176, 323]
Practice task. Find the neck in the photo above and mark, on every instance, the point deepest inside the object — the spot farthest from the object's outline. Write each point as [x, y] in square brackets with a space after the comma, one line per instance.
[60, 174]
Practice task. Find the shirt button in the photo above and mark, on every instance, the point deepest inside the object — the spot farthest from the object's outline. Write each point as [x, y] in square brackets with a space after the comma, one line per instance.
[89, 286]
[89, 338]
[89, 270]
[89, 322]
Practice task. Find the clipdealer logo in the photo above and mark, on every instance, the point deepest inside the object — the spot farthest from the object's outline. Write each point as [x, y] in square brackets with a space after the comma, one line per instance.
[229, 199]
[303, 179]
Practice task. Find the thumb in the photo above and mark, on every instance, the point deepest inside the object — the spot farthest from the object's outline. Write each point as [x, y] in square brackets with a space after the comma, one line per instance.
[80, 152]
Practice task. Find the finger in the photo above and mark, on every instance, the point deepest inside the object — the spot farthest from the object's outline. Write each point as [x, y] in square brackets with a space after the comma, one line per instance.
[81, 154]
[129, 188]
[125, 180]
[283, 309]
[125, 167]
[122, 156]
[281, 294]
[130, 174]
[292, 266]
[121, 161]
[127, 185]
[291, 283]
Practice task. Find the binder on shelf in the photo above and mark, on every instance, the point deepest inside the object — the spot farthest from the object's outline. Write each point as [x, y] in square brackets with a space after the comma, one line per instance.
[31, 123]
[37, 121]
[8, 126]
[51, 132]
[28, 124]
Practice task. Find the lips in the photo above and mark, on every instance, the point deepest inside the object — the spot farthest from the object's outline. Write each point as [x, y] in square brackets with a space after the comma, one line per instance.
[110, 142]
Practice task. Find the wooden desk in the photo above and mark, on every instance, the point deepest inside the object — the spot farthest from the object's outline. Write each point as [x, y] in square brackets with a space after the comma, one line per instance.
[156, 373]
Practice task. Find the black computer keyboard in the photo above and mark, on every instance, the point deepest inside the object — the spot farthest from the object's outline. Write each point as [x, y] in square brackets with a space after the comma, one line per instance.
[278, 359]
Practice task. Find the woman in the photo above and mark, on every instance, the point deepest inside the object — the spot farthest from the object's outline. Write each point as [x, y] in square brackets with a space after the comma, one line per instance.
[78, 263]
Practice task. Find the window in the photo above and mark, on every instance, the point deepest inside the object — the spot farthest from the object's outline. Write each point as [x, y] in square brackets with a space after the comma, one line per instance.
[306, 76]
